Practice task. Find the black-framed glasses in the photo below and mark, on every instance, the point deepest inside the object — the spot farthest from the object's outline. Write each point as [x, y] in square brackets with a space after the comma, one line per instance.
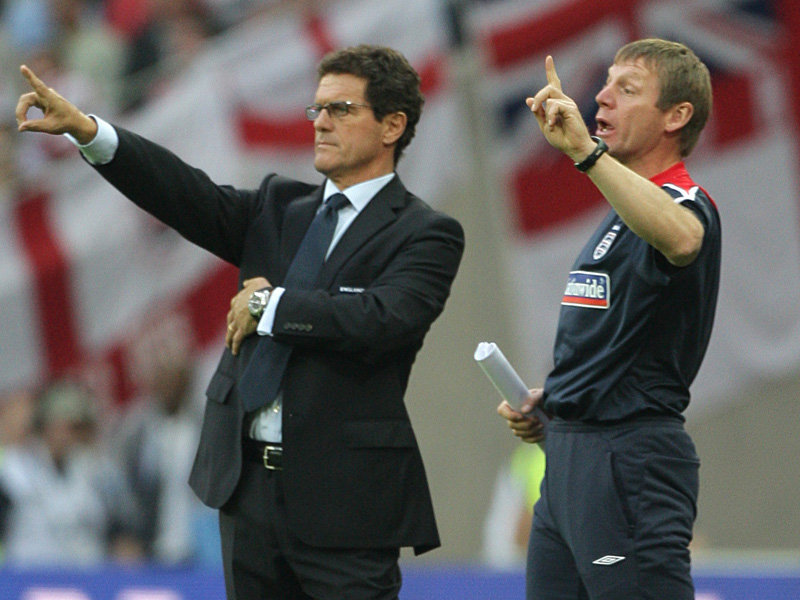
[335, 109]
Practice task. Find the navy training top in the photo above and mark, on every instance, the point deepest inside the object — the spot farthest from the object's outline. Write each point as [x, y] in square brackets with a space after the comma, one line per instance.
[633, 329]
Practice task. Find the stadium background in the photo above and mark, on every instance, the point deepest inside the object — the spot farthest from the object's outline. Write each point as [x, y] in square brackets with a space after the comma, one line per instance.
[72, 248]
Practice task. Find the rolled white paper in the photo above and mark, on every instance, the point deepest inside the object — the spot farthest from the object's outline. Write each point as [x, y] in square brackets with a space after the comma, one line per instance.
[505, 379]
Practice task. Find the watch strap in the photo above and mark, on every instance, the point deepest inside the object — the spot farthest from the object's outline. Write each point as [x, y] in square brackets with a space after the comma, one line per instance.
[589, 161]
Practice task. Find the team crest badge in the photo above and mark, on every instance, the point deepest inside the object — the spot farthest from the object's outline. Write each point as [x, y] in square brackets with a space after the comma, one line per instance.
[605, 243]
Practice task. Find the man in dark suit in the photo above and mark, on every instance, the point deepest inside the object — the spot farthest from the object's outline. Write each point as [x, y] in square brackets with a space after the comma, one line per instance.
[313, 463]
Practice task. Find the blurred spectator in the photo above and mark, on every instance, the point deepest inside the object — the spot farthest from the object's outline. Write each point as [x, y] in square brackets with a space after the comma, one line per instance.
[169, 36]
[157, 439]
[64, 503]
[508, 522]
[16, 417]
[28, 23]
[127, 17]
[231, 12]
[16, 423]
[87, 45]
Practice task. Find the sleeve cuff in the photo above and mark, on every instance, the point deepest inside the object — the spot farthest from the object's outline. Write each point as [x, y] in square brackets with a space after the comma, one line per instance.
[103, 147]
[268, 318]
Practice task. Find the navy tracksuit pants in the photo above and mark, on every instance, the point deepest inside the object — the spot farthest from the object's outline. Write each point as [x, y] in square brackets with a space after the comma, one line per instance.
[615, 516]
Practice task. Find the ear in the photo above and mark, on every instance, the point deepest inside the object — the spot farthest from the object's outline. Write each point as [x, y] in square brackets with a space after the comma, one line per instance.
[394, 124]
[678, 116]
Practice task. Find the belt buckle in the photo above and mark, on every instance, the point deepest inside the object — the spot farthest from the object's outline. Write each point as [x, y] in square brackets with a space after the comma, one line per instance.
[267, 450]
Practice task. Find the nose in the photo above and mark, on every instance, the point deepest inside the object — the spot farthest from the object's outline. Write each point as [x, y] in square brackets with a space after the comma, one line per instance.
[323, 120]
[603, 97]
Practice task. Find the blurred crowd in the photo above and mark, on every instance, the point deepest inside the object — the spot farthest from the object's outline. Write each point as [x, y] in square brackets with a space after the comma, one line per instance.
[118, 52]
[110, 57]
[82, 480]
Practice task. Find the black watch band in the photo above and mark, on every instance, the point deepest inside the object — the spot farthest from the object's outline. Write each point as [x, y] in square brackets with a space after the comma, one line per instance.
[589, 161]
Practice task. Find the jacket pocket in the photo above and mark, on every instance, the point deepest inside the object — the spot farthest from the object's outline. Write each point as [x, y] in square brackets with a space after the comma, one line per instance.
[379, 434]
[219, 387]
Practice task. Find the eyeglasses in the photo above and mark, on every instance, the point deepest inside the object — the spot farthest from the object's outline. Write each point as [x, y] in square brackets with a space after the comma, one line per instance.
[335, 109]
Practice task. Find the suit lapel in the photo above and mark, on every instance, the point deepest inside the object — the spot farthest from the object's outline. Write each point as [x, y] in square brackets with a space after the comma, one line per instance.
[379, 213]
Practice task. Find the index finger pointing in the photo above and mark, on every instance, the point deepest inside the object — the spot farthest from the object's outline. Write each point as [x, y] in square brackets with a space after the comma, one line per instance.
[36, 83]
[552, 76]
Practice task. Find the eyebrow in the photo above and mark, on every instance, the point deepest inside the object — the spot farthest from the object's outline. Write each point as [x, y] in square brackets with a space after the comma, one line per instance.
[629, 77]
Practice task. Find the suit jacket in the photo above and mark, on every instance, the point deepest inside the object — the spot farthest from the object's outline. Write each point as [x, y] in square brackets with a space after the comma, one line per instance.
[353, 474]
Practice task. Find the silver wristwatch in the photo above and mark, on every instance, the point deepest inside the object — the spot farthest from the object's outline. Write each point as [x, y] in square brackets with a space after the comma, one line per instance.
[258, 302]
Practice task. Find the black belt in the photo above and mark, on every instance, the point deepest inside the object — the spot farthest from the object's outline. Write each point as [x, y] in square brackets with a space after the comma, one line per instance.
[268, 454]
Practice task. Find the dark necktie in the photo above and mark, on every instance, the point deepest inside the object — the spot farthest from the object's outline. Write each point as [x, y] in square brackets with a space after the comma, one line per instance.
[261, 379]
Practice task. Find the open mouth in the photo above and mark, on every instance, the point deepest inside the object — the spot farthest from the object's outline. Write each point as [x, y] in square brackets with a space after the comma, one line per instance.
[603, 126]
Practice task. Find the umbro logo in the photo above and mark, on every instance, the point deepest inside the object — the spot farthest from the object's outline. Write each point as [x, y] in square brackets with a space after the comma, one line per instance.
[608, 559]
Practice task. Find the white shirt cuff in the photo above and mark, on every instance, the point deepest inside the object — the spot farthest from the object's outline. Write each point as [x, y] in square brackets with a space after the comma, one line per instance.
[268, 318]
[103, 147]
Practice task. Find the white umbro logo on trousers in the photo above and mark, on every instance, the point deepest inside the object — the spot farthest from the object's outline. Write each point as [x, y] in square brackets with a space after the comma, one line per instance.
[608, 559]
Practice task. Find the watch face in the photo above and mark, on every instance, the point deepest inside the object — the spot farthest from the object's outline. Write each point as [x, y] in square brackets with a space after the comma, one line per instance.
[255, 305]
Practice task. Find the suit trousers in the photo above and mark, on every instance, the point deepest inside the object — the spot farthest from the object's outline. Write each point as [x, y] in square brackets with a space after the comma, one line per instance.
[263, 560]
